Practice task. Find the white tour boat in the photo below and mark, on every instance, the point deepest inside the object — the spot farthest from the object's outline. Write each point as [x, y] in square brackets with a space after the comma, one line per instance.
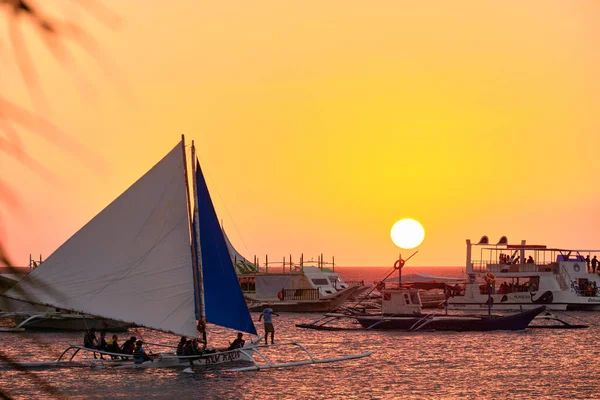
[290, 287]
[525, 276]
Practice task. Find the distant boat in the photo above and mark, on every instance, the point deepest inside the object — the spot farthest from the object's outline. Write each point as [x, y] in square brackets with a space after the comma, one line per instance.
[432, 287]
[524, 276]
[303, 290]
[292, 288]
[146, 259]
[20, 315]
[401, 310]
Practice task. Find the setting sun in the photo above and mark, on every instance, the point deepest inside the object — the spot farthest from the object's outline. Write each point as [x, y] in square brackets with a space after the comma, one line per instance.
[407, 233]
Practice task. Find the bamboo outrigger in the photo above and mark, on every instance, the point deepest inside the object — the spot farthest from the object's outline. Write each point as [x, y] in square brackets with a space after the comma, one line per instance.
[171, 360]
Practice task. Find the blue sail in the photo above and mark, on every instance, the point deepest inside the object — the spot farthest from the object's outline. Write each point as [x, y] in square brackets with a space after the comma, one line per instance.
[223, 299]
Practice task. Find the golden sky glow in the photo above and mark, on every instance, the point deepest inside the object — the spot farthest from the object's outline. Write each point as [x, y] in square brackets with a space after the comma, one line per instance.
[320, 124]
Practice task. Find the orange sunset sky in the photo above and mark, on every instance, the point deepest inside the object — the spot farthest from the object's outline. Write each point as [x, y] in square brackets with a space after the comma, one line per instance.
[320, 124]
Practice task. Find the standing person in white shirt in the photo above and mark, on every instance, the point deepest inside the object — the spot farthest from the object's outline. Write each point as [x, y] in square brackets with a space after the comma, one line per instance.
[268, 315]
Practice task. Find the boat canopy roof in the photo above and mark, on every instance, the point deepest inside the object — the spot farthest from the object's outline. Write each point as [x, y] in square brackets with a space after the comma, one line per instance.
[538, 247]
[422, 278]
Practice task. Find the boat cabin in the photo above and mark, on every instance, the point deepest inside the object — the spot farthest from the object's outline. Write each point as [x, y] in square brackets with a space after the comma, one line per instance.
[400, 301]
[309, 283]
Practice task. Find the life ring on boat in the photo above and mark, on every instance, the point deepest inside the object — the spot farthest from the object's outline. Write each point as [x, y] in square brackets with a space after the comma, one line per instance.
[489, 277]
[280, 295]
[399, 263]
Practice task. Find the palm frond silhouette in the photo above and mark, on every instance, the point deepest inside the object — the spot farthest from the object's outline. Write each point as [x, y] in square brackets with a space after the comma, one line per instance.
[16, 120]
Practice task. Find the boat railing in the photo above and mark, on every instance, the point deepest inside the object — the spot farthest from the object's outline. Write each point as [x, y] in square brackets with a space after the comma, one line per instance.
[300, 294]
[485, 266]
[588, 291]
[500, 289]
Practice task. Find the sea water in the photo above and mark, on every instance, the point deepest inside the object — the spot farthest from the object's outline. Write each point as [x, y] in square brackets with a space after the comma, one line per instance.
[535, 363]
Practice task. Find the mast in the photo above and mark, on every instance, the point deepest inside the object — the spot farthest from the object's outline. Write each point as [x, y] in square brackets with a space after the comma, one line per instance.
[192, 227]
[469, 265]
[198, 280]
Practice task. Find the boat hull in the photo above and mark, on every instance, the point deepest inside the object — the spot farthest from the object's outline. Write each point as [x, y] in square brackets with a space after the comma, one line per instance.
[171, 361]
[553, 300]
[514, 322]
[321, 305]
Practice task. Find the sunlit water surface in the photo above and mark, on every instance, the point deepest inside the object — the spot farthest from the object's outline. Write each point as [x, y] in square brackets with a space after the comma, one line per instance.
[443, 365]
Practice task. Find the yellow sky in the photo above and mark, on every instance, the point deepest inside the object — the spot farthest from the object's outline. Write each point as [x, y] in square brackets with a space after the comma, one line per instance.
[320, 124]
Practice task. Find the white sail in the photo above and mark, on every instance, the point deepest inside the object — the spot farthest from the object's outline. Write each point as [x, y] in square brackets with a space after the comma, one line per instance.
[236, 256]
[132, 262]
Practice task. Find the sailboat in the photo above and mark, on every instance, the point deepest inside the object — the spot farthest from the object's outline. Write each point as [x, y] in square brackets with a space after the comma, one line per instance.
[149, 260]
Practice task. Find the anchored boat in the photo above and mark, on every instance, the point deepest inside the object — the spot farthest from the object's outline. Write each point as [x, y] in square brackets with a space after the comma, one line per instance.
[402, 310]
[525, 276]
[18, 316]
[291, 287]
[303, 290]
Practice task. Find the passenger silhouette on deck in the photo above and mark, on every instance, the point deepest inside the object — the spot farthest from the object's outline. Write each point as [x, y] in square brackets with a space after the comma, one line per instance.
[530, 260]
[594, 264]
[587, 261]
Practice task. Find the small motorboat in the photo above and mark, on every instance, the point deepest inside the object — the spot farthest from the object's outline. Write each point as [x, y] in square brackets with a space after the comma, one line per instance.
[401, 310]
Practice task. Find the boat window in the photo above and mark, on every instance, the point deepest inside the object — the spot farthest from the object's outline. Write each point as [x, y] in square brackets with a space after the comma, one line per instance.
[328, 291]
[415, 298]
[248, 284]
[406, 299]
[320, 281]
[334, 279]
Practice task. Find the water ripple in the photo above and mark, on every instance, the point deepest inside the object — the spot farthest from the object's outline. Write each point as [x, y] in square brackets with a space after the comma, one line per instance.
[443, 365]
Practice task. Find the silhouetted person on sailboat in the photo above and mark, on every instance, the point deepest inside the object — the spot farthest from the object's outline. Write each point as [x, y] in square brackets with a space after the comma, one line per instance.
[113, 346]
[139, 354]
[237, 343]
[128, 346]
[192, 348]
[268, 316]
[201, 328]
[102, 343]
[594, 264]
[90, 340]
[180, 346]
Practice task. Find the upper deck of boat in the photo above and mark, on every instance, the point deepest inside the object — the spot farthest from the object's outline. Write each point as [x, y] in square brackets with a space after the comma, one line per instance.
[521, 269]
